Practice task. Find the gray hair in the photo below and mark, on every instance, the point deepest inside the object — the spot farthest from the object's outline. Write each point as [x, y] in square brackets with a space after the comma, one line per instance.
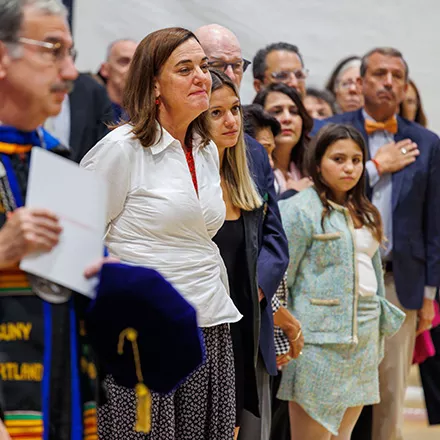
[113, 43]
[387, 51]
[11, 17]
[345, 67]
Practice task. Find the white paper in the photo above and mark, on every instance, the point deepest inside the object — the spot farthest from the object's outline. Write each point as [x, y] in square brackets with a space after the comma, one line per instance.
[79, 198]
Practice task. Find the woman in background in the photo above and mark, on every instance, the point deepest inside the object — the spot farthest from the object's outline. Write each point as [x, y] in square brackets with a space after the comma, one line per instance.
[285, 104]
[411, 107]
[319, 103]
[344, 84]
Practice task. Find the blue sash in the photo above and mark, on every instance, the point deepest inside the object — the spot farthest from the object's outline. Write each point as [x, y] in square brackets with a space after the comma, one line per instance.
[10, 186]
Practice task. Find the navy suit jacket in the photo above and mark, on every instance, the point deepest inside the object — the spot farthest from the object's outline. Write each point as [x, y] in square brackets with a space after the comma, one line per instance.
[90, 111]
[416, 211]
[273, 257]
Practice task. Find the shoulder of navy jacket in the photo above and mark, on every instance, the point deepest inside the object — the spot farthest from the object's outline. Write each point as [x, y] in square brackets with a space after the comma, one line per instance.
[411, 129]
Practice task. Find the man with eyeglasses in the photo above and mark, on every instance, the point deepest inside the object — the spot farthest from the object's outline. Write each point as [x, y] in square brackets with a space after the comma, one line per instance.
[224, 53]
[280, 63]
[223, 50]
[47, 375]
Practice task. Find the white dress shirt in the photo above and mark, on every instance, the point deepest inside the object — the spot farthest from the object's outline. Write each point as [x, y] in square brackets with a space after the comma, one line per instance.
[59, 126]
[382, 185]
[155, 218]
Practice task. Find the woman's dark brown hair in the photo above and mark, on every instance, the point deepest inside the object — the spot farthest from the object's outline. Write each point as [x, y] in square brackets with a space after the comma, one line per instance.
[139, 97]
[420, 114]
[357, 202]
[298, 152]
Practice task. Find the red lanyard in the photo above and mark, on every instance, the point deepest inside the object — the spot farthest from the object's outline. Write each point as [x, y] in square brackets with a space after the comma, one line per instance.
[192, 167]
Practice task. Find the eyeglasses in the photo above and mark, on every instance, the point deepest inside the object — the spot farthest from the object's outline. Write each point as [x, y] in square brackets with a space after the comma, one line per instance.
[238, 67]
[347, 84]
[58, 51]
[284, 75]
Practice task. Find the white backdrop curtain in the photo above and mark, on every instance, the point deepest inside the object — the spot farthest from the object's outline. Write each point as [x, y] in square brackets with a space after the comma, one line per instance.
[324, 30]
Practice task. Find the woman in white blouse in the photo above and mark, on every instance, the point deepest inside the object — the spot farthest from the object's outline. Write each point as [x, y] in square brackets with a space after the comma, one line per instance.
[165, 206]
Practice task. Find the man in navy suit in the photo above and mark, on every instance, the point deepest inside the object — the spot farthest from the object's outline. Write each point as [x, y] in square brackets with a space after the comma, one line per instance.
[404, 184]
[224, 52]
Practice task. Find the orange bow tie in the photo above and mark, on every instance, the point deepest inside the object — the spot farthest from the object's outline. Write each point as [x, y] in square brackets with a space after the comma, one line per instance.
[390, 126]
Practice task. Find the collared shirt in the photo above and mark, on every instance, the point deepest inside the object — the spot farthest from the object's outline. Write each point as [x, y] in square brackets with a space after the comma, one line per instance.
[156, 219]
[281, 182]
[383, 192]
[382, 185]
[59, 126]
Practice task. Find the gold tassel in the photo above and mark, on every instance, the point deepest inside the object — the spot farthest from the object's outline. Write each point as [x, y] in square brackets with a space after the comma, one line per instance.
[143, 394]
[143, 417]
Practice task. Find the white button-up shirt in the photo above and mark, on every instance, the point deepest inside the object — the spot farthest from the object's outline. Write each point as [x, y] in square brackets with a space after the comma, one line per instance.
[155, 218]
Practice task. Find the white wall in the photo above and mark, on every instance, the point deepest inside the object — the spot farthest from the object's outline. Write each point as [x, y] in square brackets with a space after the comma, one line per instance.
[324, 30]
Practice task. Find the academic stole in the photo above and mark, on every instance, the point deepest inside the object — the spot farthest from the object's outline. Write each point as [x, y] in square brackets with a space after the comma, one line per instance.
[26, 335]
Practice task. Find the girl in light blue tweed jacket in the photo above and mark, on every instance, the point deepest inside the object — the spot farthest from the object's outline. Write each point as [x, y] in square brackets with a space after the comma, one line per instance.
[336, 290]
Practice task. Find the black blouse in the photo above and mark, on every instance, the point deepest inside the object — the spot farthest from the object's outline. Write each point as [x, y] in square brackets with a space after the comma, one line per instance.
[231, 242]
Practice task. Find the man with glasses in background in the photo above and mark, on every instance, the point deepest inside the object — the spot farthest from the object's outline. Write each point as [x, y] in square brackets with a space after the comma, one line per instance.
[224, 52]
[280, 63]
[47, 376]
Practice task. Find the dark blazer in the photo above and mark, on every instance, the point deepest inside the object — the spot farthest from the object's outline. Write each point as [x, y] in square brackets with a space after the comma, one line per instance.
[90, 111]
[416, 211]
[273, 253]
[252, 221]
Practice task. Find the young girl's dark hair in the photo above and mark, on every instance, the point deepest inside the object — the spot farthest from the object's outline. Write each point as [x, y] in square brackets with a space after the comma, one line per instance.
[357, 202]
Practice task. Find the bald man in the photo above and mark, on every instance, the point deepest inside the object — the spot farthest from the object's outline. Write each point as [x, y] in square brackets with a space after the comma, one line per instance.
[223, 50]
[224, 53]
[114, 71]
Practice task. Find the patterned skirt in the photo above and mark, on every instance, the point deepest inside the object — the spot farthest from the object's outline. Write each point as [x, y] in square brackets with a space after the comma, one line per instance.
[328, 379]
[202, 408]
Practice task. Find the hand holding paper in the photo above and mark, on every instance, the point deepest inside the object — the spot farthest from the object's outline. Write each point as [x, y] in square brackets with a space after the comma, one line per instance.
[78, 198]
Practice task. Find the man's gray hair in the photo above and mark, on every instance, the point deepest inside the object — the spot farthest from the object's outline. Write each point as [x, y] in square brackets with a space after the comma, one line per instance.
[387, 51]
[113, 43]
[11, 16]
